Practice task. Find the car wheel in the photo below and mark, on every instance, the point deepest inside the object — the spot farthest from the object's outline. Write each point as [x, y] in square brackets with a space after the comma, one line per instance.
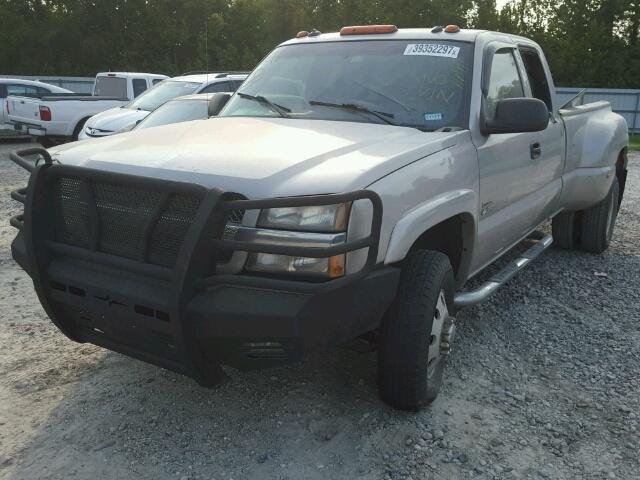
[598, 222]
[417, 332]
[78, 129]
[564, 230]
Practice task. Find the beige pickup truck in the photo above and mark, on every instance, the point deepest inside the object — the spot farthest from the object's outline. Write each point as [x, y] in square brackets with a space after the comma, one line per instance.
[349, 189]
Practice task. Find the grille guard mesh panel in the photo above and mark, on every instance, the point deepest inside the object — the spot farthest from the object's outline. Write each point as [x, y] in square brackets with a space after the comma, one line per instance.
[123, 215]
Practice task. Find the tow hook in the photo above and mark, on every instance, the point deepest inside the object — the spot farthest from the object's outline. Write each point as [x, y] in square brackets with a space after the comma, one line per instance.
[448, 335]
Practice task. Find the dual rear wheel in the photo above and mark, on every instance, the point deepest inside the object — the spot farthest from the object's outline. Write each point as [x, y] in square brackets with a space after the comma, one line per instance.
[591, 229]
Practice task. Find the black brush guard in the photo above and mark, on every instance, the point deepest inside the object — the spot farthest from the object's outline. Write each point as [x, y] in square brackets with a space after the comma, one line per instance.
[152, 295]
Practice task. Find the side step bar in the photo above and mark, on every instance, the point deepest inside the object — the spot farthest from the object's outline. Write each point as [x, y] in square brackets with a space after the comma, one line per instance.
[484, 291]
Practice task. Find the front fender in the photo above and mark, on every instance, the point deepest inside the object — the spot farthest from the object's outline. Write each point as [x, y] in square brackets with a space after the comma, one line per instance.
[421, 218]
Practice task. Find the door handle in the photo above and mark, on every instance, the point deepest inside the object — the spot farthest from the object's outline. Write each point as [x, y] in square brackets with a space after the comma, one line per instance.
[536, 150]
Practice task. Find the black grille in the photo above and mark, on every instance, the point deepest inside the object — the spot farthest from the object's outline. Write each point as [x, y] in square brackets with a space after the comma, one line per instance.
[125, 217]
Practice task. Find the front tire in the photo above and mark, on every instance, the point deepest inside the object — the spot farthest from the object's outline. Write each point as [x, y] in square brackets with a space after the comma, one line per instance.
[417, 332]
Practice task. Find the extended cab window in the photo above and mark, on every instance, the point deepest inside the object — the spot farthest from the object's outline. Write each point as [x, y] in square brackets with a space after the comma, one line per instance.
[504, 81]
[537, 76]
[423, 84]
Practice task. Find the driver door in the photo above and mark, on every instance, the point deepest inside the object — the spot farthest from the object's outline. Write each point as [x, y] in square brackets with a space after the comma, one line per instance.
[506, 165]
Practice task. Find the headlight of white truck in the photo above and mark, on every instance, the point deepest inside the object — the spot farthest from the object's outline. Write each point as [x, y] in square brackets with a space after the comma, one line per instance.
[317, 226]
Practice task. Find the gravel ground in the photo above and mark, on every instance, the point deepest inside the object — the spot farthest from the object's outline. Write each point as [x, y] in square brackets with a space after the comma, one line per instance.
[544, 383]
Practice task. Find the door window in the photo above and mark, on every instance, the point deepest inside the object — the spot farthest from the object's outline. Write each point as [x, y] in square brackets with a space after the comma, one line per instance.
[504, 81]
[139, 86]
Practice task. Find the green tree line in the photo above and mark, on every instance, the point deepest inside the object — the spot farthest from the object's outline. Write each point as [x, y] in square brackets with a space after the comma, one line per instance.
[588, 42]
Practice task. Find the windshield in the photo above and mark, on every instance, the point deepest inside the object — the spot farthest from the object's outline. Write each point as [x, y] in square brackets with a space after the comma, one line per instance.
[161, 93]
[423, 84]
[111, 87]
[176, 111]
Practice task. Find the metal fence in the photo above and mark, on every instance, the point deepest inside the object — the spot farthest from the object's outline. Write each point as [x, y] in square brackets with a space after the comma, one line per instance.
[75, 84]
[626, 102]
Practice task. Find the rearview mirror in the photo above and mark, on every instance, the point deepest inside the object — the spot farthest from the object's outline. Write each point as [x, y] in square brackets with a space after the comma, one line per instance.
[217, 101]
[518, 115]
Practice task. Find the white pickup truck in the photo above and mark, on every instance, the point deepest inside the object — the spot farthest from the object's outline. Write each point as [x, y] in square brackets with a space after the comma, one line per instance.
[59, 117]
[349, 189]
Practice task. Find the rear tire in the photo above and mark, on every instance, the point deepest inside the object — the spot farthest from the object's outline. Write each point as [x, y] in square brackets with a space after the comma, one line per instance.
[415, 330]
[78, 129]
[565, 231]
[598, 222]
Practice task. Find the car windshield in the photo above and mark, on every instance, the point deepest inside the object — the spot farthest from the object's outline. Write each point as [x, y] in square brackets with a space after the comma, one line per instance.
[417, 83]
[176, 111]
[161, 93]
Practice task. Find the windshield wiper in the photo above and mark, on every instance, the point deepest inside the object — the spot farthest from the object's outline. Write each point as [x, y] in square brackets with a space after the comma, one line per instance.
[279, 109]
[384, 116]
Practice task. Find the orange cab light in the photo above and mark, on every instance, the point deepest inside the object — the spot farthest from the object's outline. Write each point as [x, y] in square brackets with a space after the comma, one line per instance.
[452, 29]
[368, 29]
[302, 33]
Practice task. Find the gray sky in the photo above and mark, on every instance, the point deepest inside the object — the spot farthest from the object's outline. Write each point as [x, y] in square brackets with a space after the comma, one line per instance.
[500, 3]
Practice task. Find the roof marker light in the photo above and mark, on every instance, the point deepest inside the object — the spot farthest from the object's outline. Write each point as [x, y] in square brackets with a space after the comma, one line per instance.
[368, 29]
[302, 34]
[452, 29]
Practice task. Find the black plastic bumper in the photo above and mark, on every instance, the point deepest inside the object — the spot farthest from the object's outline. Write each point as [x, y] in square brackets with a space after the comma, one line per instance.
[185, 317]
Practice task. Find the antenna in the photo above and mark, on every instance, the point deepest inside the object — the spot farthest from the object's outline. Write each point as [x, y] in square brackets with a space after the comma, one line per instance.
[206, 46]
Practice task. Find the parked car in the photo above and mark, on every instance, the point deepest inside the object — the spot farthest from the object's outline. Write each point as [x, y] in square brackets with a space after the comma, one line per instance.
[350, 188]
[16, 86]
[110, 121]
[58, 117]
[182, 109]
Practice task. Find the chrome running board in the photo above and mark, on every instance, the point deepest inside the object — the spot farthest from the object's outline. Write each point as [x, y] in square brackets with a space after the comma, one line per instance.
[484, 291]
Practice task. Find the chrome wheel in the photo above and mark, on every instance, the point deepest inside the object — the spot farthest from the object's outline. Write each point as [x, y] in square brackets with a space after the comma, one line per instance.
[442, 333]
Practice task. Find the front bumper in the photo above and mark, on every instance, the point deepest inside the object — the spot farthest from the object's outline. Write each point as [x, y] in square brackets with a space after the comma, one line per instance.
[188, 318]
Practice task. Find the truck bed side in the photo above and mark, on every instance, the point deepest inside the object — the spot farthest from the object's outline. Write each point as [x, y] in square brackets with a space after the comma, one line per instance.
[67, 110]
[596, 137]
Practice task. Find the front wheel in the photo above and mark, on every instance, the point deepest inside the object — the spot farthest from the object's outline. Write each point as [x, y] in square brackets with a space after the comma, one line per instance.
[417, 332]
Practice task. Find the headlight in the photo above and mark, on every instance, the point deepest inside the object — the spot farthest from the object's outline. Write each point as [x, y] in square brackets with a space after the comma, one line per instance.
[324, 218]
[327, 222]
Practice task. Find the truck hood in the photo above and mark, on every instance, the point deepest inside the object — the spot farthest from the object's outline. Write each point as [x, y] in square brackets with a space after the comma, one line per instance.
[261, 158]
[115, 118]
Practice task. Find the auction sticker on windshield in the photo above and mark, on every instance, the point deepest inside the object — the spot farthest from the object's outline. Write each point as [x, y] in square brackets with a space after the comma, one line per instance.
[432, 50]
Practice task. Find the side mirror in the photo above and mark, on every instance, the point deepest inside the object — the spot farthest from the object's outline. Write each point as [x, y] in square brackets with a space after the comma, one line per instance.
[518, 115]
[217, 101]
